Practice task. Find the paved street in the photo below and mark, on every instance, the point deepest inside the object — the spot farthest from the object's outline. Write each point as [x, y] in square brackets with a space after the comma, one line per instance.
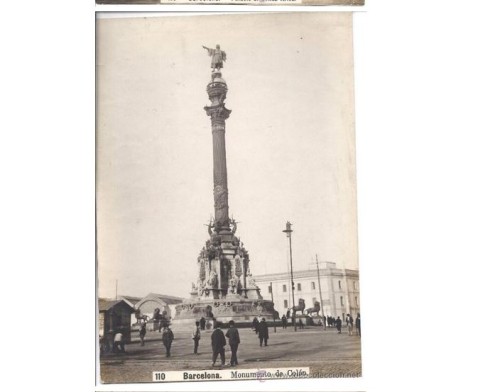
[327, 353]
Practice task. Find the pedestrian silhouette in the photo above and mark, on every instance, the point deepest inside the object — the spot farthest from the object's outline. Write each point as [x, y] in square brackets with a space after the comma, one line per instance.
[358, 324]
[263, 332]
[196, 336]
[234, 340]
[338, 324]
[142, 333]
[167, 338]
[218, 343]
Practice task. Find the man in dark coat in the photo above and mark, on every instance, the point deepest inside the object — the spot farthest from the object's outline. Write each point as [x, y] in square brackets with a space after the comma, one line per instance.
[167, 337]
[218, 343]
[196, 336]
[202, 323]
[358, 325]
[255, 324]
[234, 340]
[163, 324]
[350, 323]
[338, 324]
[263, 332]
[284, 322]
[142, 333]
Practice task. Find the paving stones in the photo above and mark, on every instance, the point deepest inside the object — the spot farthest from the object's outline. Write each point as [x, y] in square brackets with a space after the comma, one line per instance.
[326, 353]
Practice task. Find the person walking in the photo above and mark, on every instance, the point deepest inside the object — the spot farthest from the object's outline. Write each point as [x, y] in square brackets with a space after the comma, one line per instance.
[196, 336]
[338, 324]
[350, 324]
[255, 325]
[168, 338]
[202, 323]
[218, 343]
[142, 333]
[263, 332]
[234, 340]
[118, 342]
[163, 324]
[284, 322]
[358, 325]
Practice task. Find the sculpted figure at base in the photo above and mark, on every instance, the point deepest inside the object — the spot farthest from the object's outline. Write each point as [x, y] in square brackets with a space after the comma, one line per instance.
[300, 307]
[234, 284]
[252, 283]
[314, 309]
[212, 280]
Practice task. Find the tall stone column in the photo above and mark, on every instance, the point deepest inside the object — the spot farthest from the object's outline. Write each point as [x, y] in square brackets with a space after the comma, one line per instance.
[218, 113]
[226, 261]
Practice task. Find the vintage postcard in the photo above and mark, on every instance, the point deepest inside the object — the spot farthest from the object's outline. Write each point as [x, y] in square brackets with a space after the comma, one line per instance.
[226, 198]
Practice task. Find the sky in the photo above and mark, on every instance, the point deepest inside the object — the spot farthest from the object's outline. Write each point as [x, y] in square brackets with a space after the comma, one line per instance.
[290, 144]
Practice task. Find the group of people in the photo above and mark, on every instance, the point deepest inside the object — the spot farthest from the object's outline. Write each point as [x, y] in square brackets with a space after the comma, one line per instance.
[218, 340]
[114, 342]
[350, 322]
[284, 322]
[261, 329]
[166, 337]
[219, 343]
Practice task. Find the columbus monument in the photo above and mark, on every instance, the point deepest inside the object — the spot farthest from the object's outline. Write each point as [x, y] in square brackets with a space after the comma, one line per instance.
[224, 288]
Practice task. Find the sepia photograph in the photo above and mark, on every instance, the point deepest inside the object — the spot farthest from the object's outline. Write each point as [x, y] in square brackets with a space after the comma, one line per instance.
[226, 212]
[210, 198]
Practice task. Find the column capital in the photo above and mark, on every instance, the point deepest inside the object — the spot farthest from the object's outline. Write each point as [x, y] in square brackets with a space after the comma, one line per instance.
[218, 113]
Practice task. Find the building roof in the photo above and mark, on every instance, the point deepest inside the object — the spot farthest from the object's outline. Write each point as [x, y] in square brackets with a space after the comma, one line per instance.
[130, 299]
[330, 270]
[166, 299]
[169, 299]
[106, 304]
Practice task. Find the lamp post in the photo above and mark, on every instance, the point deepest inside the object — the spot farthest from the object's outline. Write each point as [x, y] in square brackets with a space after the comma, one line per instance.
[288, 232]
[320, 296]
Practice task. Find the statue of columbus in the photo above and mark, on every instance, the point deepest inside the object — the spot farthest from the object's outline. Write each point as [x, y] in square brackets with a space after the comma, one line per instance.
[218, 57]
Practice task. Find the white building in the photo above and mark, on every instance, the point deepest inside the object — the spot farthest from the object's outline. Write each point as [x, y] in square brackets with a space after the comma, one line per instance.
[339, 289]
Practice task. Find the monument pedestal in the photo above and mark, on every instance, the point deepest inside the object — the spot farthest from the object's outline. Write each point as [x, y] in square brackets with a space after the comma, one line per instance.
[237, 308]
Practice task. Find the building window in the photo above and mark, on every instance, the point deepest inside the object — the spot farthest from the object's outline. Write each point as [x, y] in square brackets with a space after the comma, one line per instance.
[270, 289]
[356, 299]
[340, 285]
[284, 288]
[299, 287]
[285, 304]
[355, 284]
[313, 286]
[341, 301]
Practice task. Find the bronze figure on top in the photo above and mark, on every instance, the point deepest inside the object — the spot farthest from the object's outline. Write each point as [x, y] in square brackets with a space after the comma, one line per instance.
[218, 57]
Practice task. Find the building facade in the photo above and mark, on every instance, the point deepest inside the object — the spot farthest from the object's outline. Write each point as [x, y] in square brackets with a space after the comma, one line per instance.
[152, 301]
[114, 315]
[339, 289]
